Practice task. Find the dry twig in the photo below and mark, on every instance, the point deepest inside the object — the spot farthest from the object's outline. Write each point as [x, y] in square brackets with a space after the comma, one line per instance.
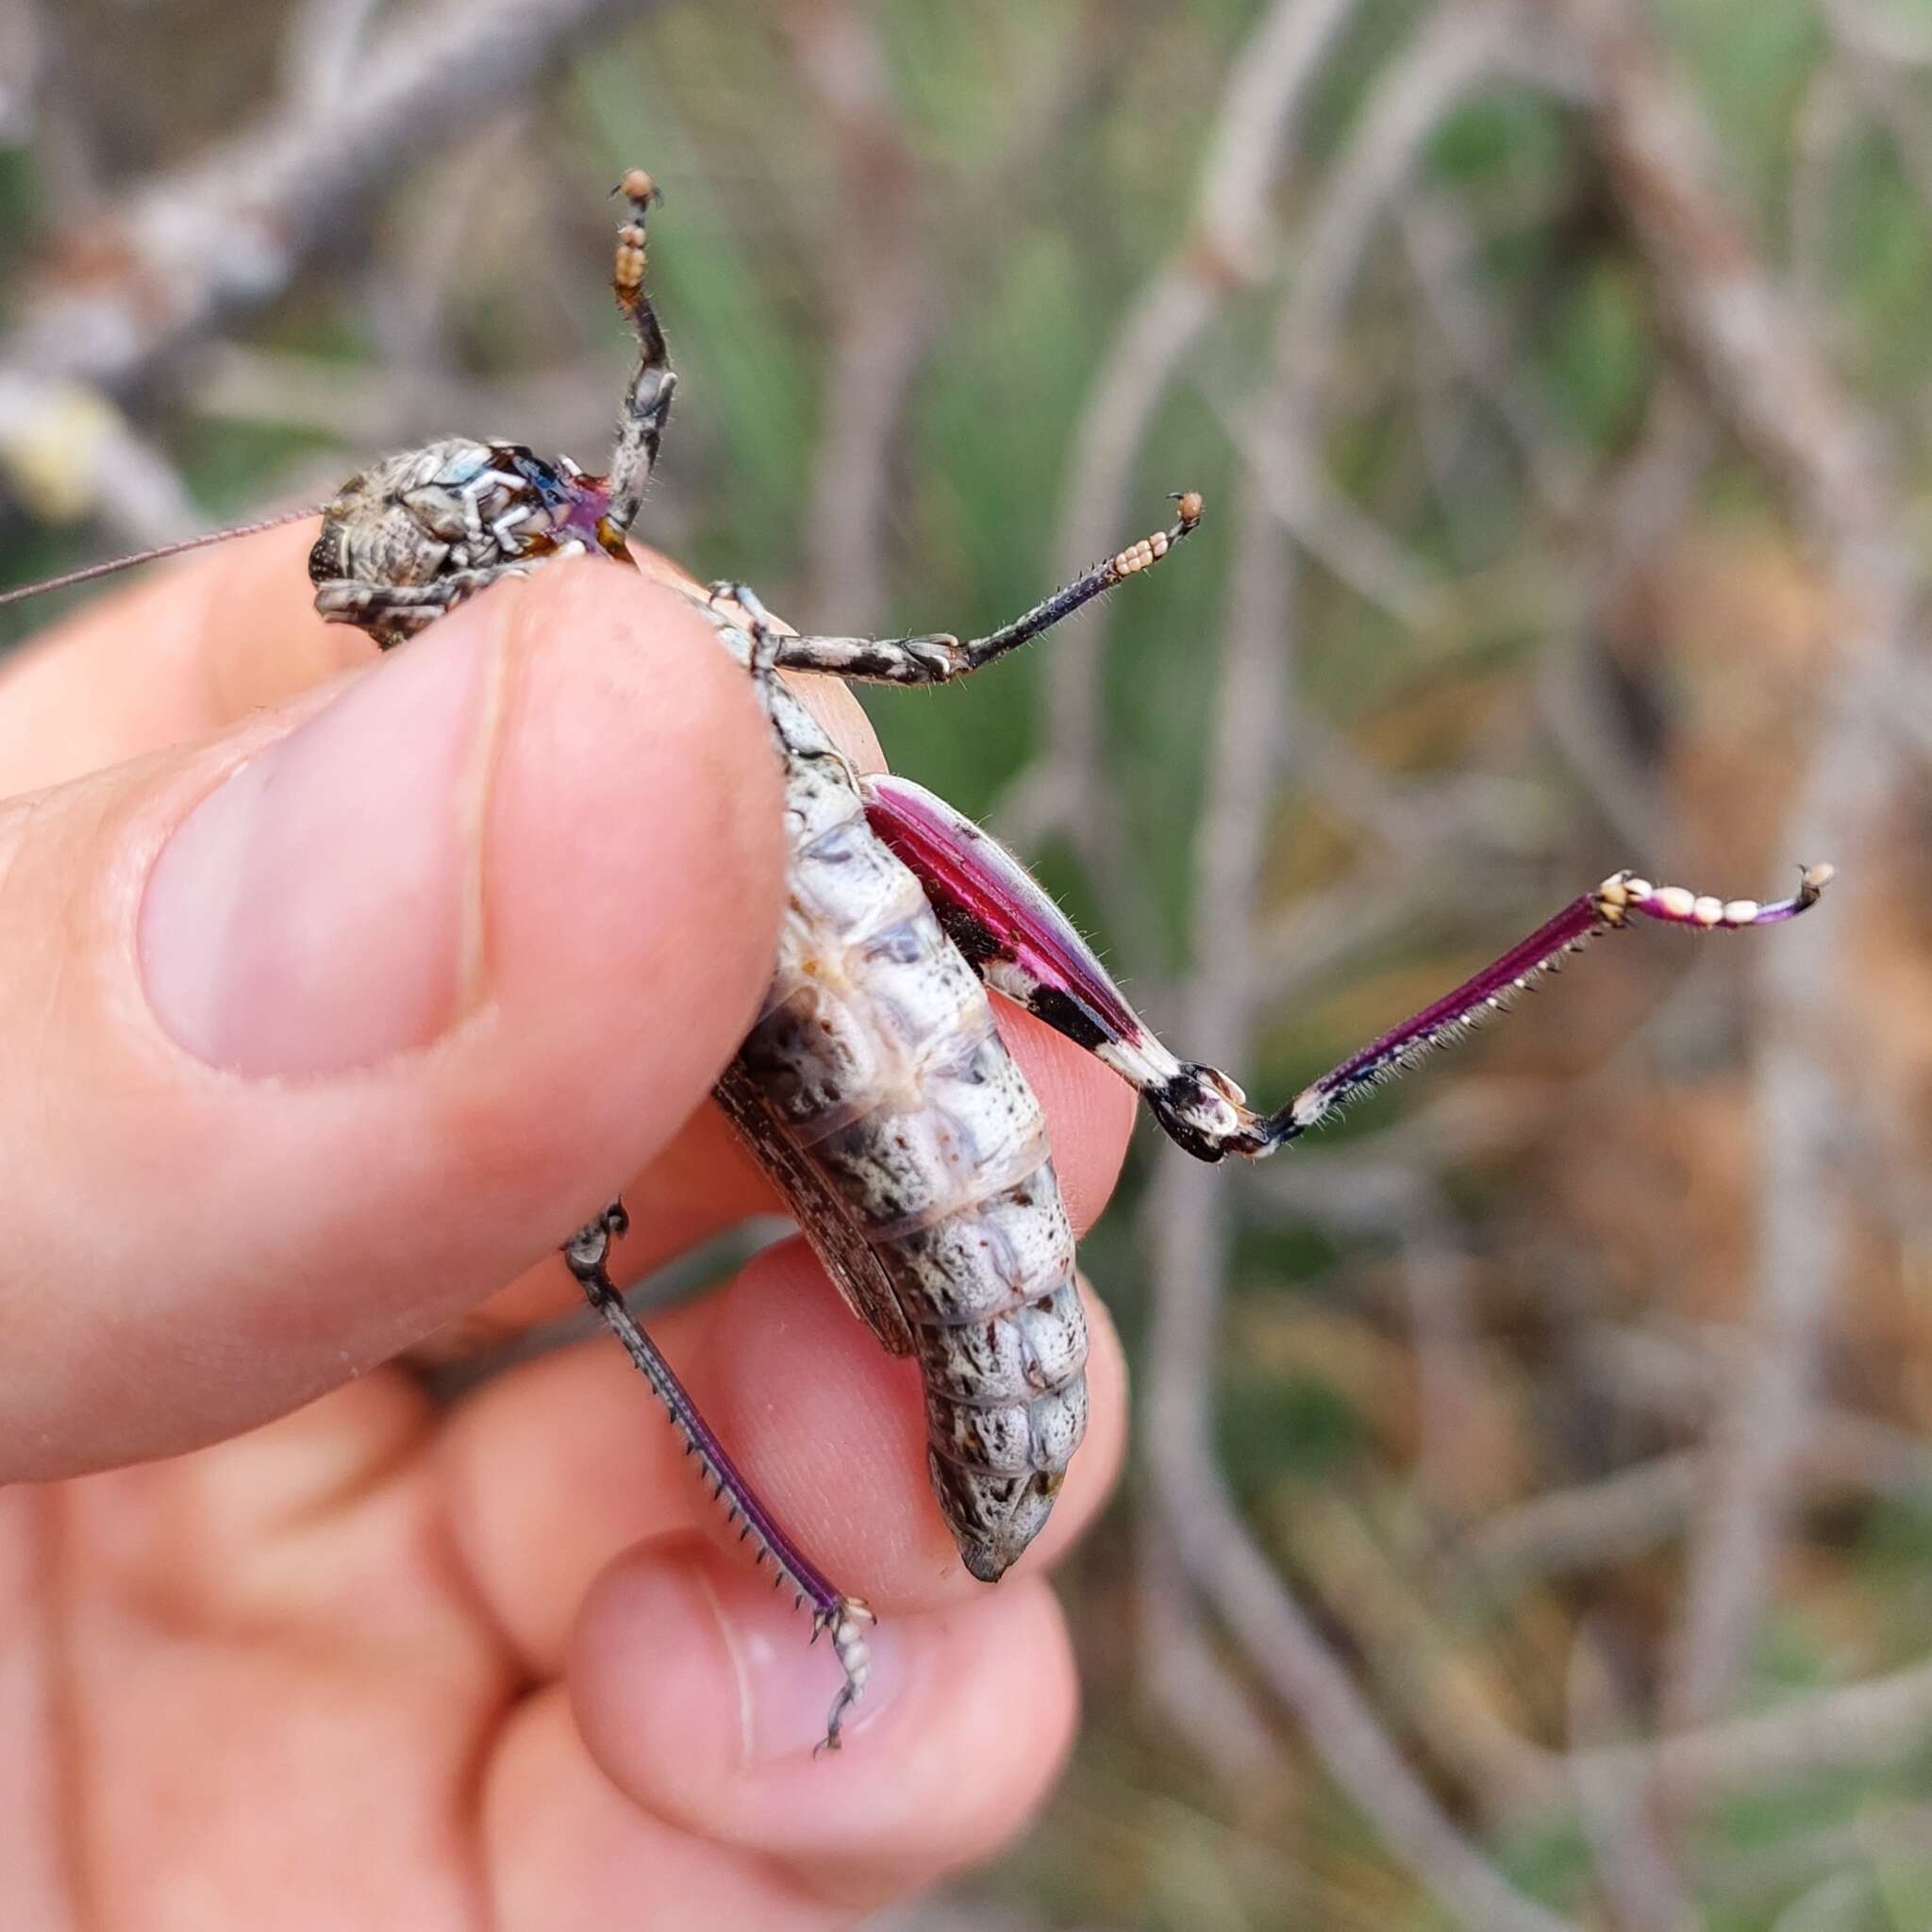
[1755, 357]
[1186, 1228]
[1878, 1725]
[1630, 1512]
[1633, 1861]
[229, 233]
[879, 296]
[1254, 126]
[1187, 1233]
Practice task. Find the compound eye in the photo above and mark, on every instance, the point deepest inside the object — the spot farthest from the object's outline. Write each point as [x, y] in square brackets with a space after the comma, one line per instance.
[325, 559]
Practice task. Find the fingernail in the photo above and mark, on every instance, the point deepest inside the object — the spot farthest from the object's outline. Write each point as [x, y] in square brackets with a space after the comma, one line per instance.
[780, 1684]
[788, 1683]
[311, 914]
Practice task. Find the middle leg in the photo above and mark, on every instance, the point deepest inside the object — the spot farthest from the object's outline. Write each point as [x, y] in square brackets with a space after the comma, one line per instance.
[941, 657]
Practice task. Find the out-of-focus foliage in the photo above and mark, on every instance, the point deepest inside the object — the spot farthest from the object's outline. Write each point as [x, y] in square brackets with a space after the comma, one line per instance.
[1476, 1344]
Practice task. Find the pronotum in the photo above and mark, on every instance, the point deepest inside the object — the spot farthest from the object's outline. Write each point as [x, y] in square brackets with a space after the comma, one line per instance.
[873, 1087]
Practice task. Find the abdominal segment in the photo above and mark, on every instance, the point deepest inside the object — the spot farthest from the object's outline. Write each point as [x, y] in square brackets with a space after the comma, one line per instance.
[877, 1058]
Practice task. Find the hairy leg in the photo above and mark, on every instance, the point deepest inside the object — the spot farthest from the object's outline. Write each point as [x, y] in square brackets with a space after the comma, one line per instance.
[391, 611]
[941, 657]
[1024, 946]
[586, 1255]
[647, 401]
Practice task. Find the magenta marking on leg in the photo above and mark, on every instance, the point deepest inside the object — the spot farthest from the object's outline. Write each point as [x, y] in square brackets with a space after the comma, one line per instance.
[1607, 910]
[806, 1576]
[1021, 944]
[1520, 965]
[995, 910]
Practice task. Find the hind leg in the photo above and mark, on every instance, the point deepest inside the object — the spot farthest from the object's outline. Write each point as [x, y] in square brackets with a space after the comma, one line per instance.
[1024, 946]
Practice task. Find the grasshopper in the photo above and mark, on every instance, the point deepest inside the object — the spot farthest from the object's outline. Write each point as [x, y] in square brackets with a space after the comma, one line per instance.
[873, 1087]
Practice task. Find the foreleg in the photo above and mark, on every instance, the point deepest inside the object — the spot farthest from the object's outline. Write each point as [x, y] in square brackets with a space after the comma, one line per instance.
[937, 658]
[588, 1254]
[1023, 944]
[647, 401]
[394, 611]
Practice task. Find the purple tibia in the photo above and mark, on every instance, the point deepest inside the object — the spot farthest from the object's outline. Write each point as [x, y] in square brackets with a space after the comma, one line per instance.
[1021, 944]
[831, 1609]
[1607, 910]
[1480, 993]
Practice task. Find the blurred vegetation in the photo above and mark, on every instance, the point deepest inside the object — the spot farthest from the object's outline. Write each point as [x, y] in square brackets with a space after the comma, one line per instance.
[1586, 1172]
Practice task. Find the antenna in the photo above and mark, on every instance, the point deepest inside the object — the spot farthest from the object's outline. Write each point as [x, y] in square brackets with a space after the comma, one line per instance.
[21, 592]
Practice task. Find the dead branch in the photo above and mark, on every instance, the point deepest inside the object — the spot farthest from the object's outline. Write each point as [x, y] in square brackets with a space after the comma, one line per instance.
[1762, 1876]
[1455, 1708]
[1754, 355]
[1879, 32]
[1332, 527]
[1186, 1683]
[1876, 1725]
[1438, 244]
[1461, 49]
[1178, 1212]
[1633, 1860]
[886, 260]
[22, 60]
[1188, 1235]
[229, 233]
[1641, 505]
[1253, 127]
[879, 295]
[323, 50]
[1186, 1231]
[1630, 1512]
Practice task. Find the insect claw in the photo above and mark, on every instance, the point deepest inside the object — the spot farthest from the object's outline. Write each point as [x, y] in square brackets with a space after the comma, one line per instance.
[841, 1704]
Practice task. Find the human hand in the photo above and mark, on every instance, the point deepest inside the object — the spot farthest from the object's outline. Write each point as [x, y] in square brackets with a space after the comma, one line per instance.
[306, 1061]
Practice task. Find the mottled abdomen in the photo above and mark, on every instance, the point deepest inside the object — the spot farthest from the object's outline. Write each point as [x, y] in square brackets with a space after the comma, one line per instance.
[879, 1058]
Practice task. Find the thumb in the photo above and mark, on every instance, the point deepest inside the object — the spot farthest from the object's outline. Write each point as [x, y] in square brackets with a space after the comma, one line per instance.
[320, 1033]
